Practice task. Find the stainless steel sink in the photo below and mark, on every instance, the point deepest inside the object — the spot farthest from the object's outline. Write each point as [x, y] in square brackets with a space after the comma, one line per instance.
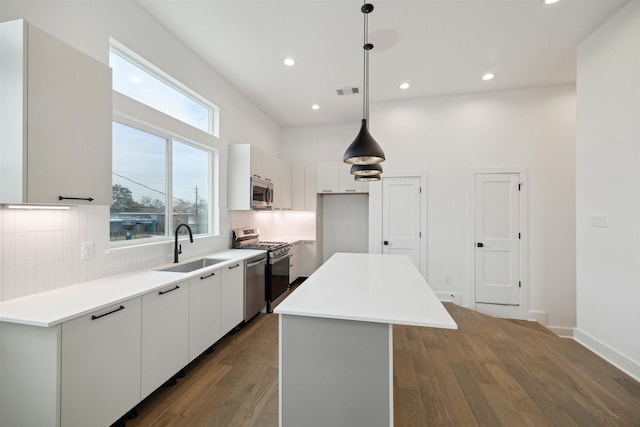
[193, 265]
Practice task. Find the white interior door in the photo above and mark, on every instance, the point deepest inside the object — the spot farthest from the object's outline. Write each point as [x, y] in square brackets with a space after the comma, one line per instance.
[401, 203]
[497, 239]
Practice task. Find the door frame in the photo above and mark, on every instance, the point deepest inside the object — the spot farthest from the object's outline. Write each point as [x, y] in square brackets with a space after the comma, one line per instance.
[375, 214]
[522, 311]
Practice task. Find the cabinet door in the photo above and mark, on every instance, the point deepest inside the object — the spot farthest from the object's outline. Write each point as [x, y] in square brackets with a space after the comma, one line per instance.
[100, 371]
[309, 188]
[256, 162]
[297, 188]
[204, 312]
[308, 258]
[69, 116]
[347, 182]
[231, 297]
[165, 335]
[281, 185]
[267, 166]
[328, 175]
[294, 262]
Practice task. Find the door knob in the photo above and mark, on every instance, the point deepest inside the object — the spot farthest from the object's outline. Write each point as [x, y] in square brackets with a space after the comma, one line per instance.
[480, 245]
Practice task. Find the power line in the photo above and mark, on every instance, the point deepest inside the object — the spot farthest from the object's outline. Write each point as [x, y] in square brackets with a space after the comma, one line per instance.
[146, 186]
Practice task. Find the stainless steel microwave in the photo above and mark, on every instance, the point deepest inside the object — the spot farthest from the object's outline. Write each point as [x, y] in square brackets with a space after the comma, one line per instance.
[261, 194]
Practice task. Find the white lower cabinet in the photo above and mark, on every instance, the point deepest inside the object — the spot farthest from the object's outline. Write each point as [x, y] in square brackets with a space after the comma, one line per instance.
[294, 262]
[100, 365]
[165, 335]
[232, 296]
[308, 258]
[204, 312]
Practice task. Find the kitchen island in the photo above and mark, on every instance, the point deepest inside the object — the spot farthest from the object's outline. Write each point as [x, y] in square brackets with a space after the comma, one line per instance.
[336, 338]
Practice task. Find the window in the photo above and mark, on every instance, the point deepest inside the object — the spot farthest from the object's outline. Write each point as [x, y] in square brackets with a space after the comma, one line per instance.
[160, 177]
[139, 209]
[149, 86]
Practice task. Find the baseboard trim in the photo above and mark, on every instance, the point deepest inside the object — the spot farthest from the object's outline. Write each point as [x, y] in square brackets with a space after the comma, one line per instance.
[617, 359]
[561, 331]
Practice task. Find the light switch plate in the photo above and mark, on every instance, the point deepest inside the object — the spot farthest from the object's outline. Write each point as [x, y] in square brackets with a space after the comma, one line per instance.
[600, 221]
[87, 249]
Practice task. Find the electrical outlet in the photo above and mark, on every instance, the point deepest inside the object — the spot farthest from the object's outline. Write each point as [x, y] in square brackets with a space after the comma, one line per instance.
[87, 250]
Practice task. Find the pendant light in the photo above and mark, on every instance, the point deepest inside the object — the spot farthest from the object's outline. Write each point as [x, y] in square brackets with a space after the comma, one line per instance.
[366, 170]
[364, 178]
[364, 150]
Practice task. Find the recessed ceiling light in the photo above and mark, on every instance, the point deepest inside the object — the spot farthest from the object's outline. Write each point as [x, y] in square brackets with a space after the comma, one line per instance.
[404, 86]
[289, 62]
[315, 107]
[550, 1]
[488, 76]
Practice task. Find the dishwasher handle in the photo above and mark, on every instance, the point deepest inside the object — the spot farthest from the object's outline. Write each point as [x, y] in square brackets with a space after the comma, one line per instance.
[253, 264]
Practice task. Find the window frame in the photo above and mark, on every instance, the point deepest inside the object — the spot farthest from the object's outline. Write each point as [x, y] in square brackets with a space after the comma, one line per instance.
[146, 66]
[132, 113]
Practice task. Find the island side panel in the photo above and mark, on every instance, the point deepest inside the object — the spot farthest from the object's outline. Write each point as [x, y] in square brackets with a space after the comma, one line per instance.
[29, 375]
[335, 372]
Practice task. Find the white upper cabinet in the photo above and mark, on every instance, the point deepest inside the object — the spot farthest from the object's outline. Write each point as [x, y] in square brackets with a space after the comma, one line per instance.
[245, 162]
[328, 178]
[281, 185]
[335, 177]
[56, 110]
[303, 188]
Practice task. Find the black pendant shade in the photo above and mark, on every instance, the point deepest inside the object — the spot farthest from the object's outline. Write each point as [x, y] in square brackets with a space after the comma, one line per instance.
[366, 170]
[364, 150]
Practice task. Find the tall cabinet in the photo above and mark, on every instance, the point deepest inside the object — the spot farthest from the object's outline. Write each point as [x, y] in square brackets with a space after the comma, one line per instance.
[56, 110]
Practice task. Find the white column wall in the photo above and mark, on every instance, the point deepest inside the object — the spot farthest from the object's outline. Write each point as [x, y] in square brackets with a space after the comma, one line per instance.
[448, 136]
[608, 184]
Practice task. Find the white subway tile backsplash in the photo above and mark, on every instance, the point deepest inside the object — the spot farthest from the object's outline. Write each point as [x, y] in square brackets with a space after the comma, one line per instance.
[9, 250]
[20, 249]
[41, 250]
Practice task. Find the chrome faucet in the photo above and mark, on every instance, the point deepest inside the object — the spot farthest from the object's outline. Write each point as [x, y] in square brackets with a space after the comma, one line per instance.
[177, 250]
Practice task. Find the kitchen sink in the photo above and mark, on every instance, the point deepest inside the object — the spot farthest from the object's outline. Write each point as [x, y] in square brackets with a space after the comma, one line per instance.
[193, 265]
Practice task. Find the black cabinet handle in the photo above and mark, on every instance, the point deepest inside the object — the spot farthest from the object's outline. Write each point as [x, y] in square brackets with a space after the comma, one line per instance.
[106, 314]
[480, 245]
[234, 266]
[88, 199]
[386, 243]
[167, 291]
[207, 276]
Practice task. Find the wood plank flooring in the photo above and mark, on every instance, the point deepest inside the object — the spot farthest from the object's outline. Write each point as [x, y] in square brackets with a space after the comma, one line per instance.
[489, 372]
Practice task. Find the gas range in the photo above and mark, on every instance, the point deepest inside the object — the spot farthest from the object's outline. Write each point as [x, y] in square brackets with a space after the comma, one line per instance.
[277, 268]
[248, 238]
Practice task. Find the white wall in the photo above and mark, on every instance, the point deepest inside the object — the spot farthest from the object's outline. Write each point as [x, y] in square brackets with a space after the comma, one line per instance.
[29, 264]
[345, 224]
[448, 136]
[608, 183]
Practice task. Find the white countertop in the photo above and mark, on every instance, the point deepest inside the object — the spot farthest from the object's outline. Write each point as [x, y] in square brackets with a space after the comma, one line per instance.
[369, 288]
[56, 306]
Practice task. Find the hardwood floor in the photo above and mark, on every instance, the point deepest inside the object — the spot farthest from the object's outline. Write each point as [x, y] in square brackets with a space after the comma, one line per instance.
[490, 372]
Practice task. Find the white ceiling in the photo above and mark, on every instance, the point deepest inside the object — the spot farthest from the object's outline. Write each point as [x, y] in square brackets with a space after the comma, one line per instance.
[439, 46]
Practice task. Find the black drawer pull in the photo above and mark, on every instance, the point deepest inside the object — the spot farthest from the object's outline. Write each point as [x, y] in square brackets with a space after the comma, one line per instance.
[106, 314]
[207, 276]
[234, 266]
[170, 290]
[88, 199]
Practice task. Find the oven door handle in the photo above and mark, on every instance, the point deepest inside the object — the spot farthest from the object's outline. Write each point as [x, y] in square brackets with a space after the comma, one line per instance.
[253, 264]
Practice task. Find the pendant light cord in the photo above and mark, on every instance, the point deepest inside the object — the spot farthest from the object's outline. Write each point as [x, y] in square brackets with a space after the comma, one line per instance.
[365, 77]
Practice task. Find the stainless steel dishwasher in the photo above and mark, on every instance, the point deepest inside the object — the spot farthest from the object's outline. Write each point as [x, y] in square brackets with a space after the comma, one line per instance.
[254, 286]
